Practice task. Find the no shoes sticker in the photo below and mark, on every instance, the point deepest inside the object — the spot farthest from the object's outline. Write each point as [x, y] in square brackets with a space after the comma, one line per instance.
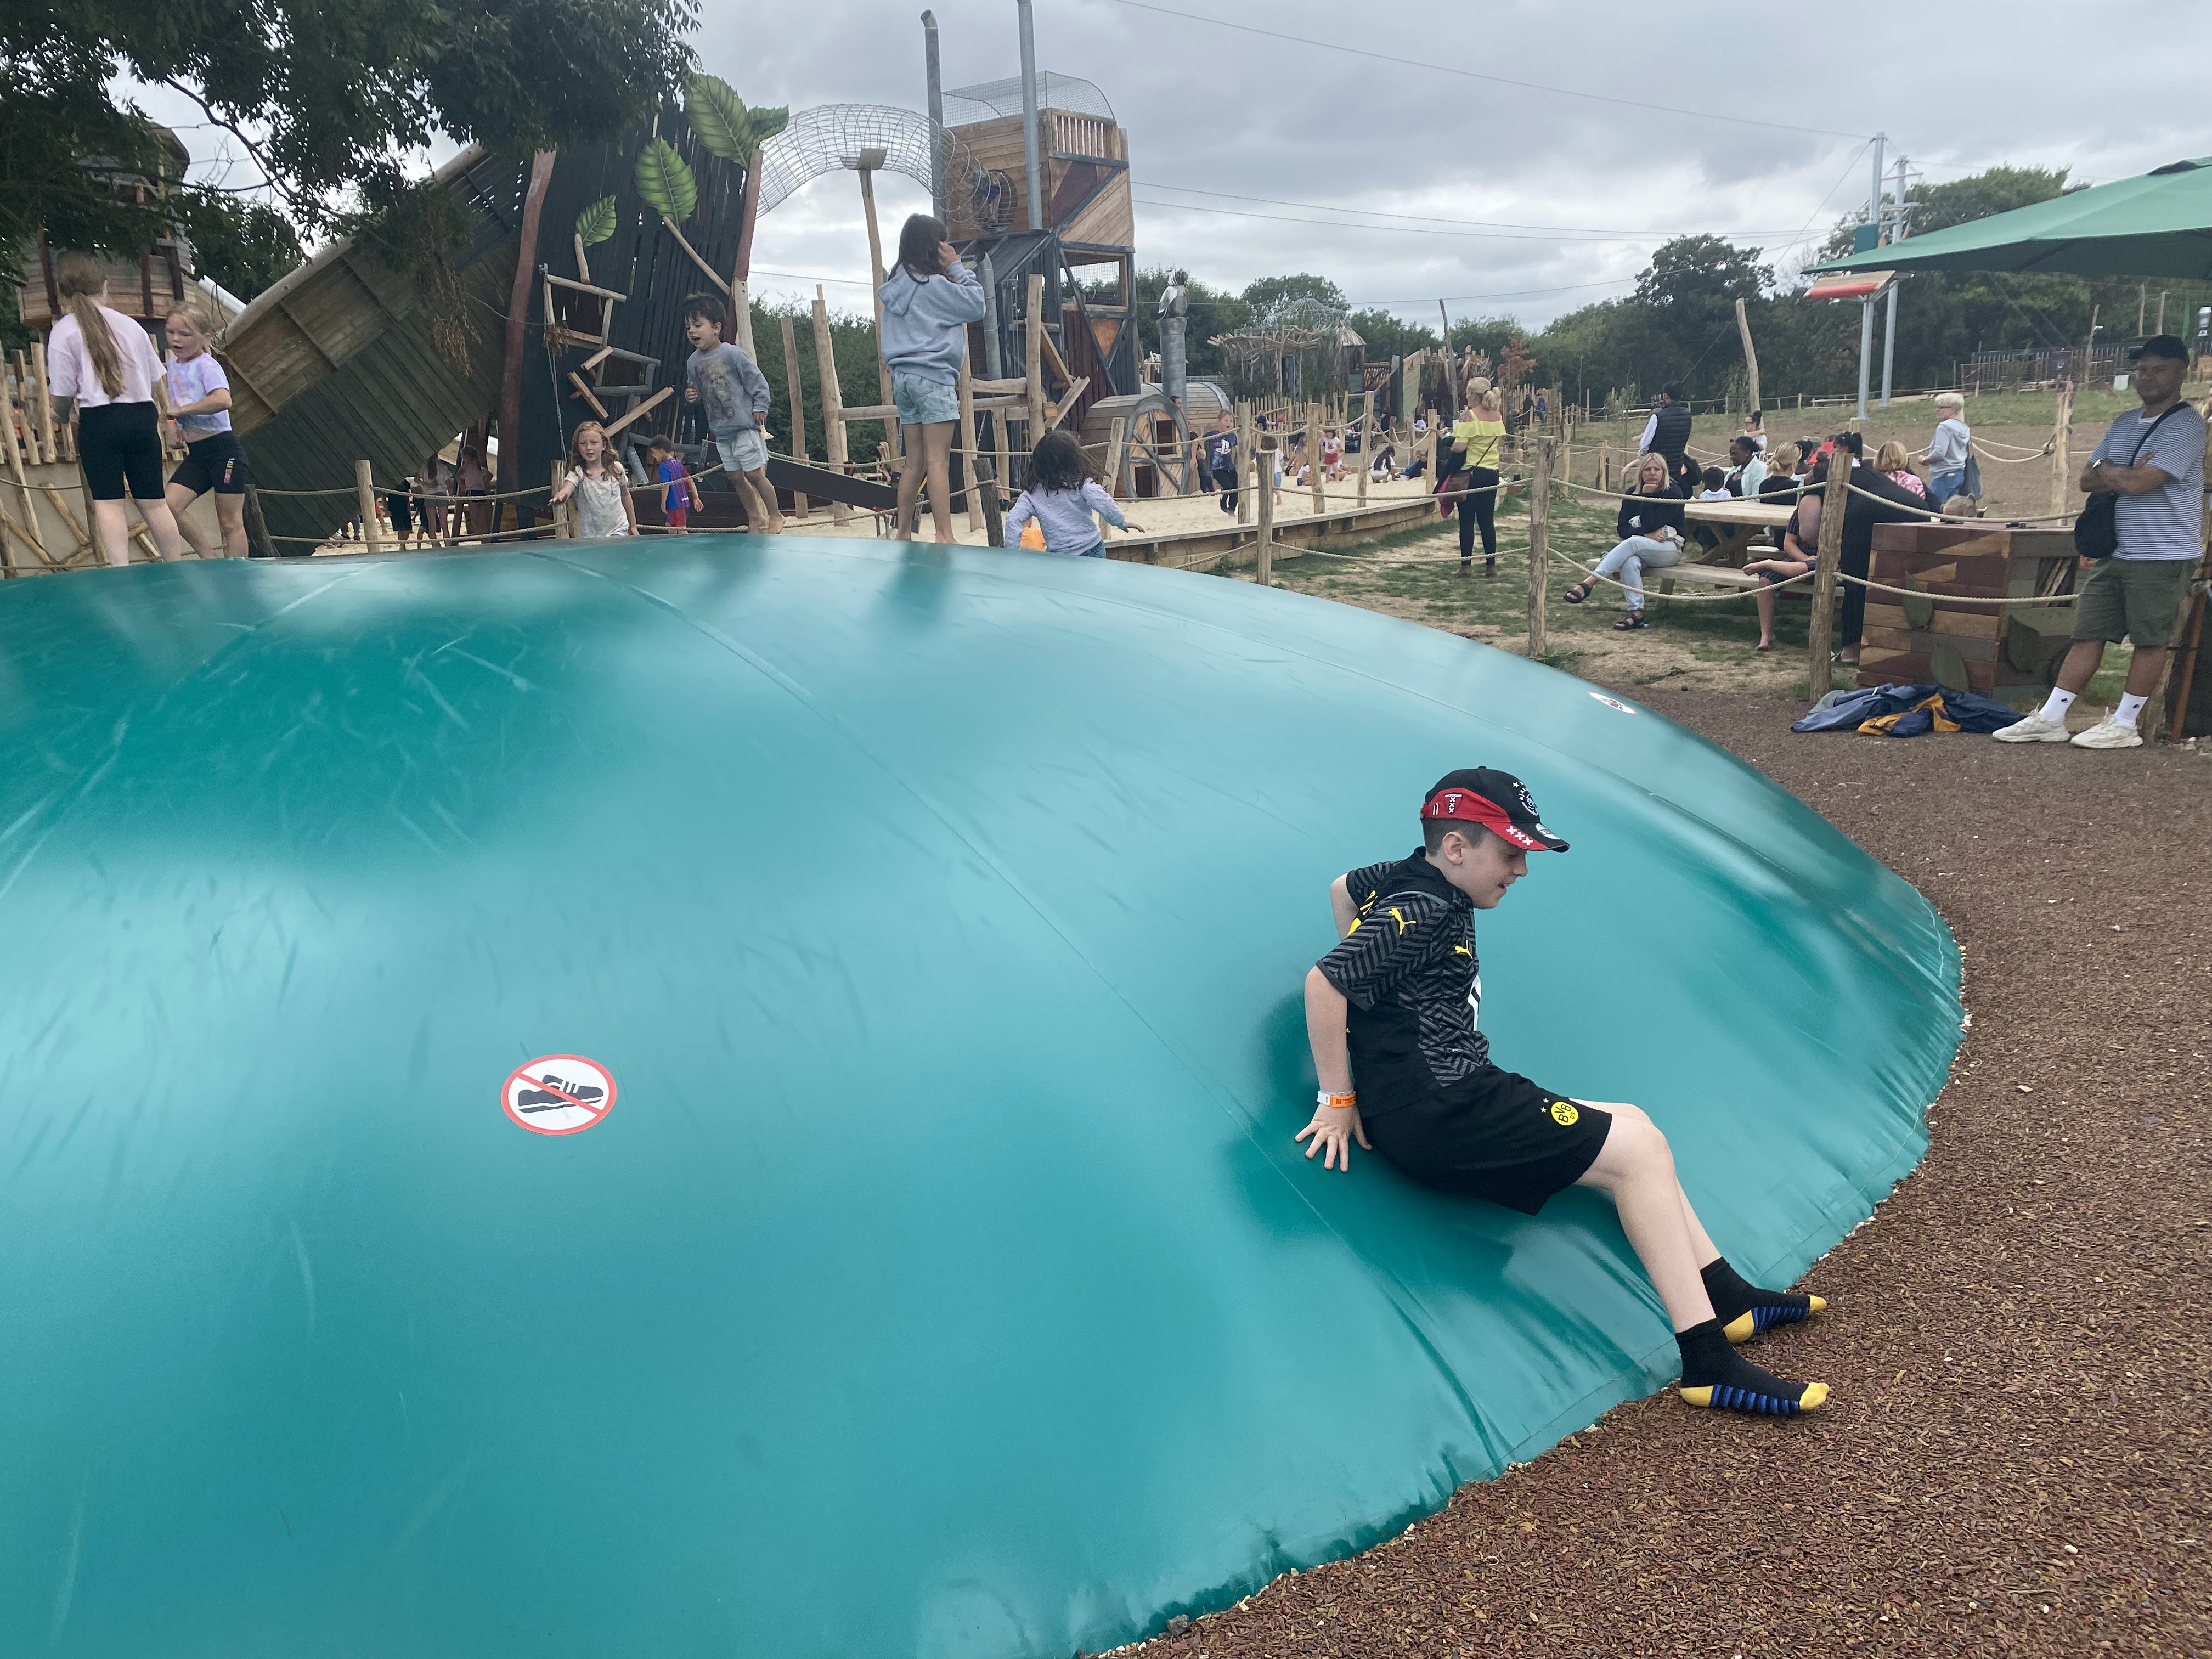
[558, 1093]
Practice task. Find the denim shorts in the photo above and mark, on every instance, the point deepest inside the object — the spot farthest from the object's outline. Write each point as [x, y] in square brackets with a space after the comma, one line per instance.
[924, 403]
[744, 449]
[1944, 485]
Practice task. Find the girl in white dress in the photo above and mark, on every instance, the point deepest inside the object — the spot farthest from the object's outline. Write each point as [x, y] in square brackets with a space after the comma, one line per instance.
[596, 479]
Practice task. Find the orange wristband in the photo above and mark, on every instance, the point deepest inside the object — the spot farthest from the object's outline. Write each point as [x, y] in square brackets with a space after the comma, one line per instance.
[1337, 1102]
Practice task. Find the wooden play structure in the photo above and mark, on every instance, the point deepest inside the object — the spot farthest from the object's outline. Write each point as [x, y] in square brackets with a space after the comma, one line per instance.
[2010, 652]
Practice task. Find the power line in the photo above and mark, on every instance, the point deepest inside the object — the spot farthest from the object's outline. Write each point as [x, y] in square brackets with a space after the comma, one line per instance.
[1513, 294]
[1407, 230]
[1495, 79]
[1610, 231]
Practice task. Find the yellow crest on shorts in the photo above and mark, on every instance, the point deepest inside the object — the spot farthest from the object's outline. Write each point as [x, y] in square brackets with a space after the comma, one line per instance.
[1564, 1113]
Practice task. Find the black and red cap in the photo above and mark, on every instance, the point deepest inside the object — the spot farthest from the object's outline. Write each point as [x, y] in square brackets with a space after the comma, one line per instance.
[1498, 801]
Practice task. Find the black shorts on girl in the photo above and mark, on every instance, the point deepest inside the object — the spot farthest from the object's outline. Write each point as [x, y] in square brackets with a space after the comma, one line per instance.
[120, 445]
[213, 463]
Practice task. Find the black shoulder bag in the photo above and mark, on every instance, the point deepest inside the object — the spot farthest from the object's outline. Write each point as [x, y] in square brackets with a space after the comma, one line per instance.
[2097, 531]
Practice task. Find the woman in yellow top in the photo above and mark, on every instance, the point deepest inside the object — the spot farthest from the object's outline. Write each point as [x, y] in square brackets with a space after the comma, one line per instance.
[1474, 452]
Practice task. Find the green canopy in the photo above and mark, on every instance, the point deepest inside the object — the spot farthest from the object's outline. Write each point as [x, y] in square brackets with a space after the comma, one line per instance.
[2159, 225]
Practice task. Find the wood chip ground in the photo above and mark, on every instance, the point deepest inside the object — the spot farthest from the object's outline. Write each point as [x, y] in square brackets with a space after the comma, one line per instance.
[2014, 1462]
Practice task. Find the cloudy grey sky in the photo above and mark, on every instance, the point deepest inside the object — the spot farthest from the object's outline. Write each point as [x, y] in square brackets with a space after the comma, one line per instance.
[1569, 194]
[1404, 183]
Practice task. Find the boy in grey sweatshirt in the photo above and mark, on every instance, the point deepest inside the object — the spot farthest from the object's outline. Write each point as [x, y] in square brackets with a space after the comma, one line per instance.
[727, 387]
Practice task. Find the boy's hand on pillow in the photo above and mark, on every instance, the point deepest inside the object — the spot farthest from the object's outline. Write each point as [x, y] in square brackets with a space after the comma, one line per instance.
[1334, 1127]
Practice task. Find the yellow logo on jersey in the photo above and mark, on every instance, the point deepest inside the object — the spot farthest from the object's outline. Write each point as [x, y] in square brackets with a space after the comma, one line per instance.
[1564, 1113]
[1461, 950]
[1400, 917]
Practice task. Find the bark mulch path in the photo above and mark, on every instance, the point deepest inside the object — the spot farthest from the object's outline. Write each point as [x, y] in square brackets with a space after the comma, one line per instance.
[2016, 1458]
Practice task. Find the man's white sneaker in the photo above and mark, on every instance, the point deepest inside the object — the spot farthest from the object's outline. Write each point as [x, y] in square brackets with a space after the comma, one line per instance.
[2034, 729]
[2109, 733]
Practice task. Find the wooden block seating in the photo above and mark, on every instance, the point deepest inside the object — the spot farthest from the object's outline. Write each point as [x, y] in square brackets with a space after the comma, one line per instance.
[1931, 634]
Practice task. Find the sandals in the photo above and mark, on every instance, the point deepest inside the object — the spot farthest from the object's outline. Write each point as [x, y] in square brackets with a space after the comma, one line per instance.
[1578, 593]
[1630, 621]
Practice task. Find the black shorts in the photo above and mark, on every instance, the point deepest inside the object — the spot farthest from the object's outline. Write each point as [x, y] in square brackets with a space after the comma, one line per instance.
[1495, 1136]
[121, 444]
[215, 462]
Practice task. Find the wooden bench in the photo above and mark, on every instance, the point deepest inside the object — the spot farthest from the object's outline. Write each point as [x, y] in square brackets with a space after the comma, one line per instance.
[1713, 575]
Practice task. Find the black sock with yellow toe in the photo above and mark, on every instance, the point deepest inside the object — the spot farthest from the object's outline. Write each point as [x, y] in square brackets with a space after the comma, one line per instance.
[1715, 1376]
[1744, 1310]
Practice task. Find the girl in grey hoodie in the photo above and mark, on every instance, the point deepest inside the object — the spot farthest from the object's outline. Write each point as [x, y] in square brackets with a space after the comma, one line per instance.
[927, 304]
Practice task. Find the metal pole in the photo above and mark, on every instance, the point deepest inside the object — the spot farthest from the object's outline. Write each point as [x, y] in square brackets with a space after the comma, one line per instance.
[1866, 350]
[1032, 174]
[1866, 306]
[990, 321]
[1889, 312]
[936, 114]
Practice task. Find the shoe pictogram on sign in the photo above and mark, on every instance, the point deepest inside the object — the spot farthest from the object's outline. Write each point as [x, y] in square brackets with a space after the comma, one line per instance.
[558, 1093]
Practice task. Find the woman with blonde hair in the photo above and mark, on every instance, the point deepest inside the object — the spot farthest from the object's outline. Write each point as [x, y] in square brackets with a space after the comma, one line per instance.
[1893, 464]
[102, 370]
[1950, 453]
[1650, 526]
[1475, 439]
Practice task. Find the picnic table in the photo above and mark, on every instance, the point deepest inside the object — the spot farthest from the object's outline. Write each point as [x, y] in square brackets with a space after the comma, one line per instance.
[1742, 530]
[1737, 525]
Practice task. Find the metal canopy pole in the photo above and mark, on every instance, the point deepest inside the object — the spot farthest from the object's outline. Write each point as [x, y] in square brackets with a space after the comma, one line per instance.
[1866, 305]
[936, 114]
[1889, 311]
[1033, 174]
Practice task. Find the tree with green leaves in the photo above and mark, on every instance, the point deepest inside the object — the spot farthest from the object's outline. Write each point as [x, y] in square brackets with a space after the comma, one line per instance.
[328, 101]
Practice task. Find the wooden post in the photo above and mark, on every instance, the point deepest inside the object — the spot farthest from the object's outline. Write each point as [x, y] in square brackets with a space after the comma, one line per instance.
[1429, 459]
[258, 544]
[564, 516]
[7, 427]
[798, 451]
[1605, 467]
[1006, 455]
[1263, 545]
[46, 434]
[1566, 448]
[1117, 449]
[741, 319]
[2062, 477]
[1244, 430]
[1314, 412]
[876, 276]
[1750, 356]
[364, 485]
[1540, 548]
[1033, 359]
[518, 318]
[971, 490]
[833, 403]
[1366, 445]
[1829, 551]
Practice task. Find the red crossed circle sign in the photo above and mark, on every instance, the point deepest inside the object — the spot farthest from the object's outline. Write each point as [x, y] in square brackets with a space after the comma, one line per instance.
[558, 1093]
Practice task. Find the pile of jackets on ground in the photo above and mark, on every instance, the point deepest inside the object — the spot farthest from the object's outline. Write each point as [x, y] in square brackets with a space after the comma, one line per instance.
[1906, 711]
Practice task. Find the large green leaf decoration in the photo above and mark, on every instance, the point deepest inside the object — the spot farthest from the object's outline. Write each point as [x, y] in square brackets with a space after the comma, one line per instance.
[596, 223]
[663, 182]
[719, 118]
[767, 123]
